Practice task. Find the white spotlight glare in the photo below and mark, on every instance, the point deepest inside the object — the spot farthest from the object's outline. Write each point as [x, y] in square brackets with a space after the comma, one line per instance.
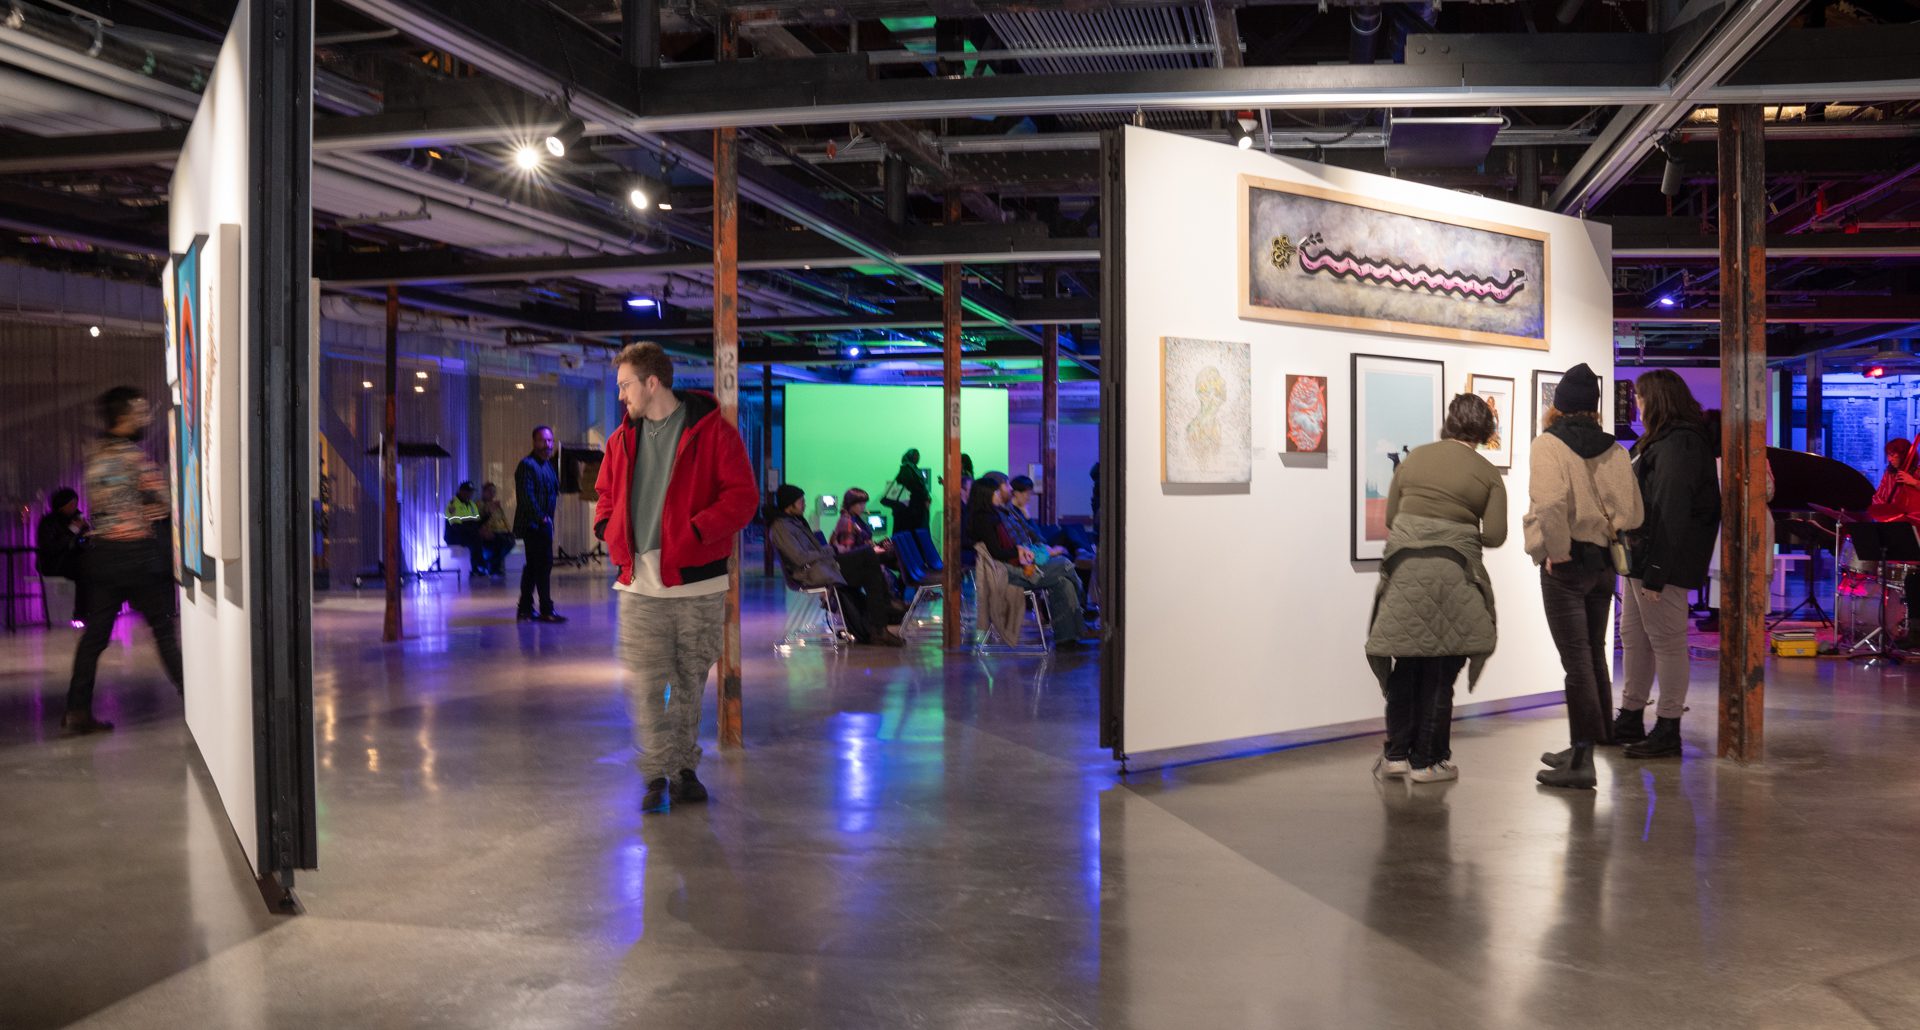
[639, 199]
[366, 384]
[519, 386]
[526, 158]
[419, 375]
[93, 330]
[565, 136]
[419, 389]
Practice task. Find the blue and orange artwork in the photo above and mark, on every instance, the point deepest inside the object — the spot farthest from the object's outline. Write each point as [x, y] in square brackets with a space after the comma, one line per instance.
[189, 341]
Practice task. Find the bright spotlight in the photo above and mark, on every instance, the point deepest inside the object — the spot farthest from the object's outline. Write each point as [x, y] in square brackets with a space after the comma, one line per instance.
[853, 352]
[640, 302]
[419, 375]
[565, 136]
[93, 330]
[366, 384]
[1667, 302]
[637, 196]
[526, 158]
[1876, 371]
[419, 389]
[519, 386]
[826, 500]
[1240, 134]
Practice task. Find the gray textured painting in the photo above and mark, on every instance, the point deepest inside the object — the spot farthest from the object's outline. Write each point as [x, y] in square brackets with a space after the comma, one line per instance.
[1323, 261]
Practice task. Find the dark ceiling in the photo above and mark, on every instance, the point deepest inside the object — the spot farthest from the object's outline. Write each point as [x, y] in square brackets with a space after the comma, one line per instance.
[861, 121]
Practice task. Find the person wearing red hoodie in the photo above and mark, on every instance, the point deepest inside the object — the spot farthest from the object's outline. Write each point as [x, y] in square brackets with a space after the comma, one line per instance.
[675, 489]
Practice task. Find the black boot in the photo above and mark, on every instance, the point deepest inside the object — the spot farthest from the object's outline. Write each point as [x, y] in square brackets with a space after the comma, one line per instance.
[1630, 727]
[656, 799]
[1556, 759]
[687, 788]
[1663, 742]
[1576, 775]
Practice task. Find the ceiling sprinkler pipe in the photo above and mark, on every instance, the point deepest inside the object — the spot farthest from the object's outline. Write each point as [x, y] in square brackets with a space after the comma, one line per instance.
[1364, 41]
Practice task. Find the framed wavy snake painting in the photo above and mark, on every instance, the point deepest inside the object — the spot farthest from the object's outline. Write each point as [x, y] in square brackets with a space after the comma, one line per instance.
[1313, 256]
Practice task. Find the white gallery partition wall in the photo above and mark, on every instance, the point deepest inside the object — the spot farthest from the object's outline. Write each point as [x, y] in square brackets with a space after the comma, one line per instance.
[1247, 583]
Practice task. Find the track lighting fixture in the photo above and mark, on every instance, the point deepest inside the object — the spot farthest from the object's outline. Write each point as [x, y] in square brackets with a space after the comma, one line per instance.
[565, 136]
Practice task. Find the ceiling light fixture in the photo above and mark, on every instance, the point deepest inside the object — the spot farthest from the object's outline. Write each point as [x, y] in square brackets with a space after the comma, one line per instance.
[419, 389]
[1667, 301]
[565, 136]
[1673, 178]
[519, 386]
[419, 375]
[526, 158]
[641, 302]
[366, 384]
[93, 330]
[639, 196]
[1239, 134]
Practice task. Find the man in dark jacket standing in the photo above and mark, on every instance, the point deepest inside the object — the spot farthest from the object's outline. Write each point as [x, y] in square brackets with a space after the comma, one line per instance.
[675, 490]
[536, 488]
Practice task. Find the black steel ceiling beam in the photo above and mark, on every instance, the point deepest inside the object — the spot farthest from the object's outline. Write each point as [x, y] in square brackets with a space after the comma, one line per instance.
[40, 219]
[1655, 240]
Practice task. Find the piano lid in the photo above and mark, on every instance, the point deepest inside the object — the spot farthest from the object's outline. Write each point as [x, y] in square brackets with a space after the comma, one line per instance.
[1802, 480]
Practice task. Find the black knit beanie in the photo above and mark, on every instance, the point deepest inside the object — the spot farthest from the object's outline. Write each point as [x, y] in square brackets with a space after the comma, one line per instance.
[1579, 390]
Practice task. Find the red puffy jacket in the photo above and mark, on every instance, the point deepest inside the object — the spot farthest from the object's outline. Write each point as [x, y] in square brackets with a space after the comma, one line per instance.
[710, 499]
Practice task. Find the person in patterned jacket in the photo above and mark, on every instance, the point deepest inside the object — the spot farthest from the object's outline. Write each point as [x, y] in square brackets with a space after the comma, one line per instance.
[128, 560]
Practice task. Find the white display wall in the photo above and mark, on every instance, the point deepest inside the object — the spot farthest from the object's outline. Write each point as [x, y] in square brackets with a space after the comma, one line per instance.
[1245, 615]
[210, 190]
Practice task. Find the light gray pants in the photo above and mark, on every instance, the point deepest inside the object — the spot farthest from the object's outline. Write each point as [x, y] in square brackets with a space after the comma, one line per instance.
[1654, 636]
[668, 645]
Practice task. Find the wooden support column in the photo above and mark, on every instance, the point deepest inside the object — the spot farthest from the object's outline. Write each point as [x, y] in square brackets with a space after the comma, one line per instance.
[1743, 413]
[726, 366]
[766, 455]
[950, 391]
[390, 472]
[1050, 409]
[1816, 407]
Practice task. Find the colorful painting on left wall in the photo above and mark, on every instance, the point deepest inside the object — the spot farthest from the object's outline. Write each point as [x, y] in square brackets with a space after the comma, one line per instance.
[1206, 412]
[188, 335]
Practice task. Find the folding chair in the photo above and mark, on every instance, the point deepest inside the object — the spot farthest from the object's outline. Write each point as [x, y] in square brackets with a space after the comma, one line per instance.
[814, 619]
[990, 577]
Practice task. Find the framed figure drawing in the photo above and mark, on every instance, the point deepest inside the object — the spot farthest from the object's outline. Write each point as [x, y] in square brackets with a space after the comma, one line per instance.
[1396, 407]
[1206, 413]
[1497, 391]
[1315, 256]
[1306, 412]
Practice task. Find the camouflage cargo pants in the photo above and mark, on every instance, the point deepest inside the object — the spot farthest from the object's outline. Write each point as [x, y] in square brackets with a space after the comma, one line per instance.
[669, 645]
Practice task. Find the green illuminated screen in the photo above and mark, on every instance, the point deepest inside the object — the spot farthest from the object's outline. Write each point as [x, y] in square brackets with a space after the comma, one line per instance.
[845, 436]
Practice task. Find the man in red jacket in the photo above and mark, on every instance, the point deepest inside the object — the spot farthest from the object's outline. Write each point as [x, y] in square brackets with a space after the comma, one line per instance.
[675, 489]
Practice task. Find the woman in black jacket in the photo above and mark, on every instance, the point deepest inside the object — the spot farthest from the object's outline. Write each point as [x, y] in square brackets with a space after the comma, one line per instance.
[1667, 558]
[908, 497]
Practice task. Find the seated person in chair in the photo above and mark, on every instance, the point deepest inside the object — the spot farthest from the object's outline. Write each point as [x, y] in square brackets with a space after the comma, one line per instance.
[865, 599]
[853, 538]
[995, 527]
[60, 540]
[1022, 491]
[463, 528]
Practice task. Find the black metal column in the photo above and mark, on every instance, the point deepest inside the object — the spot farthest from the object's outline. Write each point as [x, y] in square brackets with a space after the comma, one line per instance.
[278, 561]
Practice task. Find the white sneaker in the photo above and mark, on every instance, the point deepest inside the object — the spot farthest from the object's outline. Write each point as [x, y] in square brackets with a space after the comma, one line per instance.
[1438, 772]
[1385, 768]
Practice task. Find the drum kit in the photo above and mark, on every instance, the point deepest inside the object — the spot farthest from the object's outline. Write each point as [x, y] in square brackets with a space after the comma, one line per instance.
[1878, 561]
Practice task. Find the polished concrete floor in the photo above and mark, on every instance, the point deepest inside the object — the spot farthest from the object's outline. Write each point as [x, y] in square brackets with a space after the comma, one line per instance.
[908, 842]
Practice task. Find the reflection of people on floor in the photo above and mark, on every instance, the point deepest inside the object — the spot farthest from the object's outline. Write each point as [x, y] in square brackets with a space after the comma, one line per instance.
[866, 601]
[463, 528]
[496, 532]
[127, 561]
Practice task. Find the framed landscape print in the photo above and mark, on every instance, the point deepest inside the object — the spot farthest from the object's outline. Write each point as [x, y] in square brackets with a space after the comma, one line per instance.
[1314, 256]
[1305, 404]
[1396, 407]
[1206, 411]
[1497, 391]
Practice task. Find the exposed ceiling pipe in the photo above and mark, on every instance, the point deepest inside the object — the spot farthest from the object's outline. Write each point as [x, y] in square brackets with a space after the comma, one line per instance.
[1364, 38]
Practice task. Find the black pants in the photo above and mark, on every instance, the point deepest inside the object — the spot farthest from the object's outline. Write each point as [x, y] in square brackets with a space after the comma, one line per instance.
[867, 578]
[114, 573]
[1420, 709]
[1578, 602]
[538, 572]
[493, 553]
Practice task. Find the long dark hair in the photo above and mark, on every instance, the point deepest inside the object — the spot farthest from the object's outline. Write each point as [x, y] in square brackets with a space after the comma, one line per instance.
[1665, 404]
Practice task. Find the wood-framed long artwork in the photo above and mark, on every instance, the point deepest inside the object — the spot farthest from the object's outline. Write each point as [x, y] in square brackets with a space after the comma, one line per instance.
[1315, 256]
[1396, 408]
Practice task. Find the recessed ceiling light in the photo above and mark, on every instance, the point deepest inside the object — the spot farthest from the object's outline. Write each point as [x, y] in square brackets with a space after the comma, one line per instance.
[519, 386]
[419, 389]
[366, 384]
[419, 375]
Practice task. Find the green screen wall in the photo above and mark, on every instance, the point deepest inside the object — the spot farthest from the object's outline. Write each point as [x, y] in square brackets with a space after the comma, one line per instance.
[845, 436]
